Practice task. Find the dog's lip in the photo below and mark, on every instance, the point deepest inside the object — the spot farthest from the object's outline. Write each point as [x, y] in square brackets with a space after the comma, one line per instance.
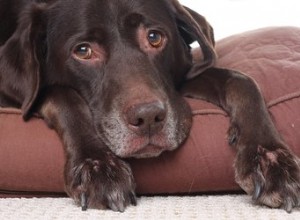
[150, 150]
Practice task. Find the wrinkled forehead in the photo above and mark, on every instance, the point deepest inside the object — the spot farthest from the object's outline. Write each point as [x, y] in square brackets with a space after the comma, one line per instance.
[73, 16]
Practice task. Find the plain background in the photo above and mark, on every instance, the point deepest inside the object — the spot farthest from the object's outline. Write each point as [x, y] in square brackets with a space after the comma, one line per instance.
[234, 16]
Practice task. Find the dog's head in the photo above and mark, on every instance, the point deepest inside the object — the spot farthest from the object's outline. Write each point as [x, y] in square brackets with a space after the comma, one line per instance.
[126, 59]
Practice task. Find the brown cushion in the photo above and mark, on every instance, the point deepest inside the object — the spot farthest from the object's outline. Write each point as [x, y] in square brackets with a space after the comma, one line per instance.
[31, 155]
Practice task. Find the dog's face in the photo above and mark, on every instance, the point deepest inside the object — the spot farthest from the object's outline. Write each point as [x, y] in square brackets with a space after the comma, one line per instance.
[127, 59]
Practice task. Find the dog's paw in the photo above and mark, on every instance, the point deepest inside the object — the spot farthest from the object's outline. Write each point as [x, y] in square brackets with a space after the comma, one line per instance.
[273, 179]
[233, 135]
[101, 184]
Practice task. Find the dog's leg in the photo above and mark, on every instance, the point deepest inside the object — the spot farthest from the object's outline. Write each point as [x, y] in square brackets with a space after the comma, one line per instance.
[265, 167]
[94, 176]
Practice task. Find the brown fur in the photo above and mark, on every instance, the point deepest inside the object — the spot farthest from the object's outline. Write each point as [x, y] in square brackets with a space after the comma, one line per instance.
[125, 100]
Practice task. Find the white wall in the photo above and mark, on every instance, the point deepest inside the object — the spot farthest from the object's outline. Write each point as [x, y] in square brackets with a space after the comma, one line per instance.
[234, 16]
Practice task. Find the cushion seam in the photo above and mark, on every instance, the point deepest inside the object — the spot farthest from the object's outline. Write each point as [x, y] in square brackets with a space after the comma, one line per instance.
[283, 99]
[10, 111]
[209, 112]
[269, 104]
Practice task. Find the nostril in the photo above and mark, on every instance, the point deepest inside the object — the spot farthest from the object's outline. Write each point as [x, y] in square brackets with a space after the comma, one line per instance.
[160, 117]
[139, 122]
[146, 117]
[157, 119]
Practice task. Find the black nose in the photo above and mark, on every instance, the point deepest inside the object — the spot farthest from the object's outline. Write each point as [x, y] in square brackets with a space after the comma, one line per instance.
[146, 118]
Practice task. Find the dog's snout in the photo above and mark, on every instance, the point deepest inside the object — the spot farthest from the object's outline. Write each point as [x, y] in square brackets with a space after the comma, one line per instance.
[146, 118]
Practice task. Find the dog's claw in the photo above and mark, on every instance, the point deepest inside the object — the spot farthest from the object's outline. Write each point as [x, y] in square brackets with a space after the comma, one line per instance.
[233, 135]
[133, 199]
[258, 184]
[83, 201]
[117, 206]
[257, 192]
[288, 206]
[232, 140]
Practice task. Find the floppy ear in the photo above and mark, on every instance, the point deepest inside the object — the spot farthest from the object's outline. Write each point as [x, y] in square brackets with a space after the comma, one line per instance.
[194, 27]
[19, 64]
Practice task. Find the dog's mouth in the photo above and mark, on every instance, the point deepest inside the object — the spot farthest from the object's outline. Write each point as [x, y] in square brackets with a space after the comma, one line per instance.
[149, 150]
[145, 147]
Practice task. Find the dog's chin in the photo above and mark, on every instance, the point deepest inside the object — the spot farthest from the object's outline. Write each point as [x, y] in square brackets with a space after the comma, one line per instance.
[148, 151]
[142, 147]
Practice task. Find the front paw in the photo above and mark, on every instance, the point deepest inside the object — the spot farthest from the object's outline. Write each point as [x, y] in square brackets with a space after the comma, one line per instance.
[105, 182]
[272, 177]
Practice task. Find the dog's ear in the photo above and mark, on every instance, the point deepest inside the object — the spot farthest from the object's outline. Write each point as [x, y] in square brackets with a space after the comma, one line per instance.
[194, 27]
[19, 61]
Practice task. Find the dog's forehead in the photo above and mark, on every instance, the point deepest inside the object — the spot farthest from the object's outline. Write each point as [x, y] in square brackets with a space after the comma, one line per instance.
[75, 20]
[106, 12]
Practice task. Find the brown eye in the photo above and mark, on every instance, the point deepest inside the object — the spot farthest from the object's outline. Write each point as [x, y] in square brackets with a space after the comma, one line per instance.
[155, 38]
[83, 51]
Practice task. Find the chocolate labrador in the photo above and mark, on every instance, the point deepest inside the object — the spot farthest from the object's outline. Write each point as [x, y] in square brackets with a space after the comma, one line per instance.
[110, 76]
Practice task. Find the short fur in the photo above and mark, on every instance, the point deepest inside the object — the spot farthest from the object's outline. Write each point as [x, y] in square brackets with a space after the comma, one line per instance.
[126, 100]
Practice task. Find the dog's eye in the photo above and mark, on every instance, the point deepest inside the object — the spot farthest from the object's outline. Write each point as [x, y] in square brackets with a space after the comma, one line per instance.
[83, 51]
[155, 38]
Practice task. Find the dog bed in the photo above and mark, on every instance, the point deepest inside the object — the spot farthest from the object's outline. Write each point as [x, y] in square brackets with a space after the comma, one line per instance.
[31, 155]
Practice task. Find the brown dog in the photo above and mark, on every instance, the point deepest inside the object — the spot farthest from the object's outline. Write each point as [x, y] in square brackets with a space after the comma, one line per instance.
[109, 77]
